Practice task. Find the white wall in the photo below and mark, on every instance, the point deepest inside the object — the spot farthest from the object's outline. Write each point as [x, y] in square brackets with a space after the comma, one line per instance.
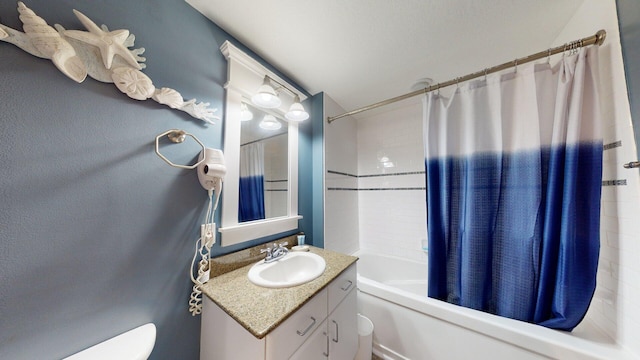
[616, 306]
[276, 168]
[392, 198]
[341, 182]
[368, 205]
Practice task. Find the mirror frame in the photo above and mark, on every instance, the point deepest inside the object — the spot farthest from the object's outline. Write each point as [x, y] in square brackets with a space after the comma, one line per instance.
[244, 77]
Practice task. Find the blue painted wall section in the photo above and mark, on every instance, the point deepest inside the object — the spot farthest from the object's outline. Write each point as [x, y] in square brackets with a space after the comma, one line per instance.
[629, 18]
[96, 231]
[310, 179]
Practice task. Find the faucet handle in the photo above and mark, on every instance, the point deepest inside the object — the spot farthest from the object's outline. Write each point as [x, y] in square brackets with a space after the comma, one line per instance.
[283, 244]
[267, 250]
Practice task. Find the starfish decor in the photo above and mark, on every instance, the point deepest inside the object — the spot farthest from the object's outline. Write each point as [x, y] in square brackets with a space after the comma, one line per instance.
[109, 43]
[99, 53]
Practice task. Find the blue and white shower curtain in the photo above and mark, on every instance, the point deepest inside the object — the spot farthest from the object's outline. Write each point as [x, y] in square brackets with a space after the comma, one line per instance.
[251, 199]
[514, 175]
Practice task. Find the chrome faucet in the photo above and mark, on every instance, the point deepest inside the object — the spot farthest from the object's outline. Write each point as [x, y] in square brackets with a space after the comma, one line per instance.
[276, 252]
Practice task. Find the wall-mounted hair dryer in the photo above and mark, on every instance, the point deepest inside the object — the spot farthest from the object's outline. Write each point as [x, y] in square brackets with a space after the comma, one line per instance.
[212, 170]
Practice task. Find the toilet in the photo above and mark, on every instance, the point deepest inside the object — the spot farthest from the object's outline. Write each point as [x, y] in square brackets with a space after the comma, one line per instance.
[135, 344]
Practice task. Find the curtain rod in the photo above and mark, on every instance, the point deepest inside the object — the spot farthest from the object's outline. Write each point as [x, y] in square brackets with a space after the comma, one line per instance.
[596, 39]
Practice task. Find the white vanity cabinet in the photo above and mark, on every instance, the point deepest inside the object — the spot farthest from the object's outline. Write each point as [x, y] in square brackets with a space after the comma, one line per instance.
[325, 327]
[337, 337]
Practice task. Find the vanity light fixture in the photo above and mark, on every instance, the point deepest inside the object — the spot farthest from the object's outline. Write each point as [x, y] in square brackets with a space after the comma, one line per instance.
[269, 122]
[266, 96]
[296, 111]
[245, 113]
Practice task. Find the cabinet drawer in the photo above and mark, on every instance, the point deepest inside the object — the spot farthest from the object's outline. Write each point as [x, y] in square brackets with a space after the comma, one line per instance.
[316, 348]
[283, 341]
[340, 287]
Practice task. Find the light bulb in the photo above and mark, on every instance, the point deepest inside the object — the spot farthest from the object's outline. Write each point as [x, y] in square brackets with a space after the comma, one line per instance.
[245, 113]
[269, 122]
[296, 111]
[266, 96]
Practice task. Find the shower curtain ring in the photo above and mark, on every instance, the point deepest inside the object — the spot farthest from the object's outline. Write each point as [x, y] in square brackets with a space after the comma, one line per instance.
[485, 73]
[549, 56]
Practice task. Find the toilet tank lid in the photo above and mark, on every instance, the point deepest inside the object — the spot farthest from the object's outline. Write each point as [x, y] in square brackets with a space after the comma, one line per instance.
[135, 344]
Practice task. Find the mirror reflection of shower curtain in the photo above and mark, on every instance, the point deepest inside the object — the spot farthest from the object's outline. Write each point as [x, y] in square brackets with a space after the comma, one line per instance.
[514, 177]
[251, 200]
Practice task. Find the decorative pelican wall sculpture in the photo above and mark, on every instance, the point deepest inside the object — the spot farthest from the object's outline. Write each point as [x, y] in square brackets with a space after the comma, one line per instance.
[102, 54]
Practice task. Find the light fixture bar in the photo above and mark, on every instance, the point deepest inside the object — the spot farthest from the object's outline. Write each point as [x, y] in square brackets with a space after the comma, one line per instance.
[282, 86]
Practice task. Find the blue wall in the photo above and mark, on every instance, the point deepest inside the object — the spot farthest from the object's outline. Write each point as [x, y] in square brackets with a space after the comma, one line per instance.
[311, 186]
[96, 231]
[629, 17]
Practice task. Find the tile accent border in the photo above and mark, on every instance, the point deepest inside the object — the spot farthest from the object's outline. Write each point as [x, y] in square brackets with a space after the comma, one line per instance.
[612, 145]
[375, 175]
[376, 189]
[341, 173]
[614, 182]
[618, 182]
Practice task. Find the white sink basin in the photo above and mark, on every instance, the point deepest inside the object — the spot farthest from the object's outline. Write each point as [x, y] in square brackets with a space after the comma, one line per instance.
[293, 269]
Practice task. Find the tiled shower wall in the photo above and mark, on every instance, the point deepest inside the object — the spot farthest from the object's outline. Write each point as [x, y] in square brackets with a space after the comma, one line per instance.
[341, 195]
[275, 176]
[375, 194]
[391, 182]
[615, 307]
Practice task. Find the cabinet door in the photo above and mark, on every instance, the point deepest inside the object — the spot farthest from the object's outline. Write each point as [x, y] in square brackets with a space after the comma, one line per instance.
[316, 347]
[293, 332]
[343, 329]
[340, 287]
[223, 338]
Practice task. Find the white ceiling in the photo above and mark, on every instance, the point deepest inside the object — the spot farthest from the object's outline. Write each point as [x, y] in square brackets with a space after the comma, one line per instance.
[363, 51]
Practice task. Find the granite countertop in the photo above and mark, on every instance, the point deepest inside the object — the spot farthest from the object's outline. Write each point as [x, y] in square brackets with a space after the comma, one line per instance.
[259, 309]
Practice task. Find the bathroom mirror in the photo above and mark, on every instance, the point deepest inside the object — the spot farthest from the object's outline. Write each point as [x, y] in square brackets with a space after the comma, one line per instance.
[244, 77]
[264, 166]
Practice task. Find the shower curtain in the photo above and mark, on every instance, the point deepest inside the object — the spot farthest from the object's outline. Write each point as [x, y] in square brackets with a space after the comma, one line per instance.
[514, 175]
[251, 200]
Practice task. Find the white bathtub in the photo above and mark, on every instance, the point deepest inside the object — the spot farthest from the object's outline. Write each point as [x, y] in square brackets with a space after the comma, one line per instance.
[409, 325]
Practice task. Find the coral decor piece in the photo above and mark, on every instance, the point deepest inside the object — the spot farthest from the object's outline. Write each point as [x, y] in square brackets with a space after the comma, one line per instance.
[99, 53]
